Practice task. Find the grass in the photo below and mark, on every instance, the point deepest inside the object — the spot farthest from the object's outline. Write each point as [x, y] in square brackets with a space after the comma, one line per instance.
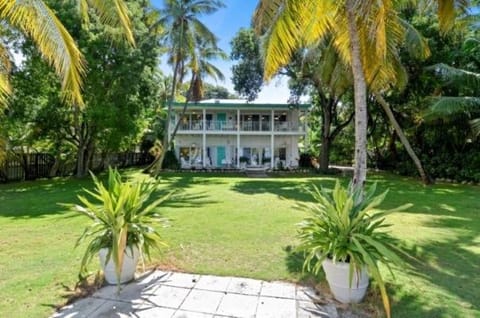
[231, 225]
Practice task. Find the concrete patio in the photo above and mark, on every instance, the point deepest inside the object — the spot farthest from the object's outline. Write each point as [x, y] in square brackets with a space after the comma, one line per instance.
[179, 295]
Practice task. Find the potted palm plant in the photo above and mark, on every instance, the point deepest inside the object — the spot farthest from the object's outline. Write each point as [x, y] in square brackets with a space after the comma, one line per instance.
[345, 235]
[122, 228]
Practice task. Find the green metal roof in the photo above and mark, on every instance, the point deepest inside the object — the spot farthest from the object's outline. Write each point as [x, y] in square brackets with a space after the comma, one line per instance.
[241, 106]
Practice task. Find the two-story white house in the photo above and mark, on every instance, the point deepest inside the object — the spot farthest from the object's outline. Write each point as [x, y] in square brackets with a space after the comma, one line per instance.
[236, 134]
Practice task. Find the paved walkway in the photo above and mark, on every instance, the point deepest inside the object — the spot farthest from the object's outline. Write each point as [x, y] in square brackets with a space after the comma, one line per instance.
[178, 295]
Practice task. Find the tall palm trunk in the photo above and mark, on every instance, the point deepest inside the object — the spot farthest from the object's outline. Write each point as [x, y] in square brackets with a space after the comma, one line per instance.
[166, 135]
[185, 106]
[360, 88]
[386, 107]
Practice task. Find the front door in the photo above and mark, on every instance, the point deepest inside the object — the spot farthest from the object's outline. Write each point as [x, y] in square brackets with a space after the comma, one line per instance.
[220, 156]
[221, 120]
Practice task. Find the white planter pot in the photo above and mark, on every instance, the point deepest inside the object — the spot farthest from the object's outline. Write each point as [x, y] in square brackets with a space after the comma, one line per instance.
[130, 261]
[338, 280]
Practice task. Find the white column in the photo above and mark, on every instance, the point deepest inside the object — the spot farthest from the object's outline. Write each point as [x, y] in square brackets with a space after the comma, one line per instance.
[204, 145]
[204, 120]
[204, 138]
[272, 140]
[238, 138]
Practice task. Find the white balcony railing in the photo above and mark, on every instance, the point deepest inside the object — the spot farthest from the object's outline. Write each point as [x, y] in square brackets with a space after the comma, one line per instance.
[221, 125]
[253, 126]
[288, 126]
[194, 125]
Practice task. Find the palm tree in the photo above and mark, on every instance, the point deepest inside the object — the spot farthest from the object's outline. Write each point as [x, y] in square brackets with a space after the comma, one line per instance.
[37, 21]
[180, 19]
[366, 34]
[200, 66]
[468, 85]
[362, 31]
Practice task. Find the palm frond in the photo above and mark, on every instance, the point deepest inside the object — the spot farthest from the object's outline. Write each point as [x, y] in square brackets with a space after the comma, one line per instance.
[457, 77]
[5, 69]
[111, 12]
[448, 11]
[448, 106]
[287, 25]
[475, 124]
[52, 39]
[416, 44]
[3, 149]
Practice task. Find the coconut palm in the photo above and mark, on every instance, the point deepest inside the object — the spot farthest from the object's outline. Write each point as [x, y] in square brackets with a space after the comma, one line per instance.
[468, 85]
[36, 20]
[366, 35]
[199, 66]
[180, 19]
[364, 32]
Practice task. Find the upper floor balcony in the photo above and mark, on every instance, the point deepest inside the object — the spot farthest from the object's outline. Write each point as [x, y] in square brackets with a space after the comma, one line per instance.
[232, 117]
[245, 126]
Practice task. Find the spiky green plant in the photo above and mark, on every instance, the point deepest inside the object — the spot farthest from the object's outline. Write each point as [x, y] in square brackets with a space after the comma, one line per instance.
[123, 215]
[345, 226]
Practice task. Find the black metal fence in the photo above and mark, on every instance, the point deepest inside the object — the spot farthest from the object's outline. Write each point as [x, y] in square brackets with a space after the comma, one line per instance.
[33, 166]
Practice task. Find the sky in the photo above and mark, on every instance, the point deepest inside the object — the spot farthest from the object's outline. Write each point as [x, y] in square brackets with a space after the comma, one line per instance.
[225, 23]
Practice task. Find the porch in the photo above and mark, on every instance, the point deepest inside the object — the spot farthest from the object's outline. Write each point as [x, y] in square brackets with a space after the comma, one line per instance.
[226, 152]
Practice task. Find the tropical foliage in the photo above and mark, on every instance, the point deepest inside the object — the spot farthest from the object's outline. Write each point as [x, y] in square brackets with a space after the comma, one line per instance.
[121, 79]
[365, 34]
[122, 215]
[36, 20]
[191, 47]
[468, 86]
[346, 227]
[248, 72]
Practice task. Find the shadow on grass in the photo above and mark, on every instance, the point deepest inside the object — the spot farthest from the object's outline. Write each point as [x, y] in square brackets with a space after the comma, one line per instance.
[452, 267]
[41, 198]
[288, 189]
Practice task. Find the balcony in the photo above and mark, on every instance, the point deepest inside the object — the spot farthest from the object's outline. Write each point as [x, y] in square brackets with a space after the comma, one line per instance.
[246, 126]
[193, 125]
[254, 125]
[221, 125]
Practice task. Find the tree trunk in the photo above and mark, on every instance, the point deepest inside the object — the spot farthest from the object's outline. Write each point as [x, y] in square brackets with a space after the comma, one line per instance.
[386, 107]
[325, 149]
[185, 106]
[166, 137]
[325, 154]
[360, 88]
[81, 160]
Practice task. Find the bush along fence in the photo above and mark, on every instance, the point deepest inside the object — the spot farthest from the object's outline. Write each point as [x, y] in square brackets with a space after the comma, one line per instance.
[20, 167]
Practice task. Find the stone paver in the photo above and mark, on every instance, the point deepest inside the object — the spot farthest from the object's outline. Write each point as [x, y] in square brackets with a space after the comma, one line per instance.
[278, 289]
[269, 307]
[242, 306]
[154, 312]
[307, 309]
[168, 296]
[244, 286]
[202, 301]
[189, 314]
[213, 283]
[180, 295]
[80, 309]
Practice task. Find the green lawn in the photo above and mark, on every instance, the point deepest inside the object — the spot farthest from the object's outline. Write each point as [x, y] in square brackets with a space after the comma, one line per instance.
[230, 225]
